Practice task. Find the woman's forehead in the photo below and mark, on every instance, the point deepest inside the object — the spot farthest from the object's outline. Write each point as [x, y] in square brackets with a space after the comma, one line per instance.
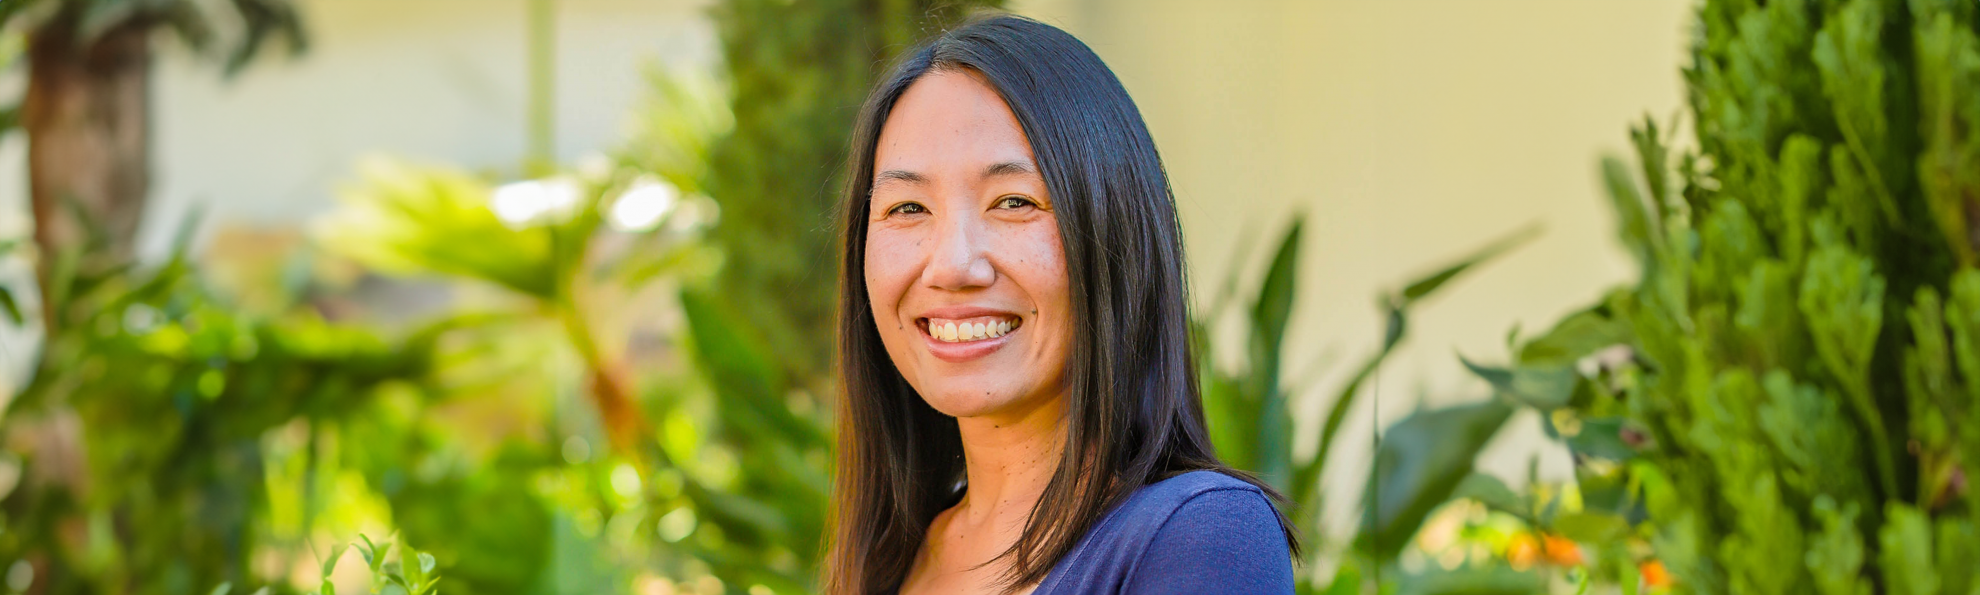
[950, 122]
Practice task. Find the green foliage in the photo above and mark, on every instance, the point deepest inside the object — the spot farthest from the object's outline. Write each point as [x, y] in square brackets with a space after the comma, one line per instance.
[1418, 468]
[1794, 372]
[413, 573]
[177, 395]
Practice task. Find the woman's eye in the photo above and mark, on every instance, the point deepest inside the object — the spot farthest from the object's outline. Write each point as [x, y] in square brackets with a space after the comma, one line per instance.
[1014, 202]
[907, 208]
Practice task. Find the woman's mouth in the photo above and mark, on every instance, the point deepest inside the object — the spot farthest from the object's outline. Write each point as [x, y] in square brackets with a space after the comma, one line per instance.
[966, 330]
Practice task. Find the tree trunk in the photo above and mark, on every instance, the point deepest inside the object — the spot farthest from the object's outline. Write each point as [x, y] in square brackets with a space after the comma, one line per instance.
[88, 124]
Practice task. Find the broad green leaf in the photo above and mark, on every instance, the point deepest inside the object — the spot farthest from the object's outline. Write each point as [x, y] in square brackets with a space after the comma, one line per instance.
[1269, 314]
[1544, 388]
[1573, 338]
[1420, 463]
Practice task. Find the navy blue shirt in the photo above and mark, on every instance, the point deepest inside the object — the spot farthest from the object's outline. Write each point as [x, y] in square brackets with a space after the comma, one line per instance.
[1199, 532]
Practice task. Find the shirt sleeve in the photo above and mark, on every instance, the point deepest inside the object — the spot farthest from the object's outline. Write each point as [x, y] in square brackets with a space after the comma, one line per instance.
[1221, 541]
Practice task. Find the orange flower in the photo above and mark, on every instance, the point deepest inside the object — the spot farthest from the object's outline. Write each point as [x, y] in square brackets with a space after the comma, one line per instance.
[1561, 551]
[1654, 574]
[1522, 551]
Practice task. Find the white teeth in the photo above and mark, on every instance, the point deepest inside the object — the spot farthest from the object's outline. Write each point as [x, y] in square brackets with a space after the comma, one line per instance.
[957, 332]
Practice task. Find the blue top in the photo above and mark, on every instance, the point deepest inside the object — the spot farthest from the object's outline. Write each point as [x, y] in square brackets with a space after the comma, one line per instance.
[1199, 532]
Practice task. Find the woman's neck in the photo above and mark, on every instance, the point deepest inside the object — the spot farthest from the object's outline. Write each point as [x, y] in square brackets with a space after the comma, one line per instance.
[1009, 459]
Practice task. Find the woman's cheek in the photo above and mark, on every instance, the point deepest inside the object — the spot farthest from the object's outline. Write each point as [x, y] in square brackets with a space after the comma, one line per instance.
[890, 271]
[1042, 259]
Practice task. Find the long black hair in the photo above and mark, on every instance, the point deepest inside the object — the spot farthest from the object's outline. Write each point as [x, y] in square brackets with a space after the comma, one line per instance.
[1134, 414]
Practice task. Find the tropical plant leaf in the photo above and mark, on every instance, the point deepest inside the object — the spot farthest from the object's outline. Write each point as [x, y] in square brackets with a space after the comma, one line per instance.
[1420, 463]
[1269, 315]
[1306, 476]
[264, 22]
[1541, 387]
[1423, 288]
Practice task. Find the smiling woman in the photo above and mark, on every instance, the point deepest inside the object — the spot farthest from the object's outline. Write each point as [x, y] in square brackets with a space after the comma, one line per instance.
[1020, 412]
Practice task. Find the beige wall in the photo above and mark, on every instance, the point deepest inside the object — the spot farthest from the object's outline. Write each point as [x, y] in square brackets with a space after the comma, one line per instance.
[1409, 131]
[441, 80]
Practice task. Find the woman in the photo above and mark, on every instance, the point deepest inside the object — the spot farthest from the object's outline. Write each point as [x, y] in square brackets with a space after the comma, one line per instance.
[1020, 408]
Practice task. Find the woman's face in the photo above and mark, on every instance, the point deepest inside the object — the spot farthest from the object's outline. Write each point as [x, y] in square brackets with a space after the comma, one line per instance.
[963, 263]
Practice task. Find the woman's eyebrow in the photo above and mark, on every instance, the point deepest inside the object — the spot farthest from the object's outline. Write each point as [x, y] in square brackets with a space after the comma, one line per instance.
[896, 175]
[1010, 168]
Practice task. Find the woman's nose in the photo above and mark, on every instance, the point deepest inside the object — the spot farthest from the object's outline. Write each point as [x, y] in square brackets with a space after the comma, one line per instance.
[961, 259]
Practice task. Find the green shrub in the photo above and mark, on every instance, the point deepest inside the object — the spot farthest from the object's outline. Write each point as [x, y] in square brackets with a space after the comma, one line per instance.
[1795, 407]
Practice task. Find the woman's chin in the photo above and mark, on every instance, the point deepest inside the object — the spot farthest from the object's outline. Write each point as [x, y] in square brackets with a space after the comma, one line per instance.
[962, 400]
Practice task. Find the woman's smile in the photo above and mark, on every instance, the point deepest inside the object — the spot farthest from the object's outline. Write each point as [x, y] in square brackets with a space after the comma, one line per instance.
[958, 334]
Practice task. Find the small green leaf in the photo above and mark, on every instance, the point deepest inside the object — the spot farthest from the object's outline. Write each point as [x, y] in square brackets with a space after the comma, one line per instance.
[223, 589]
[1424, 287]
[330, 563]
[426, 562]
[11, 306]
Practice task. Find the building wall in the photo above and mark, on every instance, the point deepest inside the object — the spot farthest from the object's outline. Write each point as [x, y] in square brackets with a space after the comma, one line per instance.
[438, 80]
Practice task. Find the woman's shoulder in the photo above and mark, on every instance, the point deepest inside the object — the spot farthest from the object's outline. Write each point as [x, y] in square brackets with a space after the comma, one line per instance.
[1194, 531]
